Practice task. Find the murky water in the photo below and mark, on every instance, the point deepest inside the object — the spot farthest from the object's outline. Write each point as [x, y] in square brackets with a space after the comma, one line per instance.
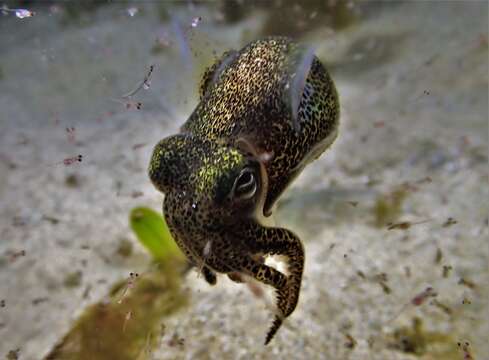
[397, 205]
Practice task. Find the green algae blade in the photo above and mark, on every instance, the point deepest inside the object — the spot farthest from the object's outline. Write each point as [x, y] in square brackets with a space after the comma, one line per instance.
[152, 231]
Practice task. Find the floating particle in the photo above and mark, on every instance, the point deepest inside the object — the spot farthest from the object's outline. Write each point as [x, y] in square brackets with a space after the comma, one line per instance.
[196, 21]
[421, 297]
[70, 133]
[132, 11]
[450, 221]
[468, 283]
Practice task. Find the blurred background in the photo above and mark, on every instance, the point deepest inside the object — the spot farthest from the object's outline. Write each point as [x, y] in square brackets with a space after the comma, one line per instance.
[398, 205]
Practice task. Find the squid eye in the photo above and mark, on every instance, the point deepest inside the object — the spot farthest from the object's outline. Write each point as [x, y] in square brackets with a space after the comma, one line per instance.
[245, 184]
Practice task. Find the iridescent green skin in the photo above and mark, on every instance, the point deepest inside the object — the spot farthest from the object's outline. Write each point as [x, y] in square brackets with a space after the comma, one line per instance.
[244, 128]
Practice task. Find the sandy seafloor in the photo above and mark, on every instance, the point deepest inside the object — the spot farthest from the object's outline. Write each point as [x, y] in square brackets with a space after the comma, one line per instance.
[413, 84]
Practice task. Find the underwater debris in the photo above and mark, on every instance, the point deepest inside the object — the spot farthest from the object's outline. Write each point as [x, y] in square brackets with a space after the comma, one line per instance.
[99, 333]
[418, 341]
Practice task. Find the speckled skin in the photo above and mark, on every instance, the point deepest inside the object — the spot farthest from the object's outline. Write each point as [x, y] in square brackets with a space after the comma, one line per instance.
[244, 135]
